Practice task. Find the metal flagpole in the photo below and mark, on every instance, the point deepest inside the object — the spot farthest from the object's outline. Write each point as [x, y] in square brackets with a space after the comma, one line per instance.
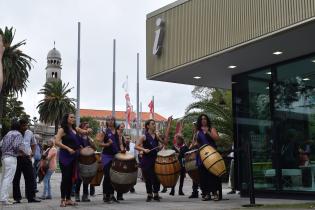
[126, 92]
[78, 77]
[138, 116]
[114, 76]
[153, 107]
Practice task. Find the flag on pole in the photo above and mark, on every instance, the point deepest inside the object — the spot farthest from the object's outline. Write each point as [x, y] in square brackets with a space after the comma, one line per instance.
[128, 103]
[151, 106]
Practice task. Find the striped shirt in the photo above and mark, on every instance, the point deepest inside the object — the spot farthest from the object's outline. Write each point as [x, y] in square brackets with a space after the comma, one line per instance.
[12, 143]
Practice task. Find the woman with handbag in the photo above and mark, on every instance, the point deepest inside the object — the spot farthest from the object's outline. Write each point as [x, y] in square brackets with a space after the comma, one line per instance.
[48, 163]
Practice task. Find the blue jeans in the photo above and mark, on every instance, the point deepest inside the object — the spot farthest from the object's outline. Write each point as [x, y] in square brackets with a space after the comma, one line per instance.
[47, 191]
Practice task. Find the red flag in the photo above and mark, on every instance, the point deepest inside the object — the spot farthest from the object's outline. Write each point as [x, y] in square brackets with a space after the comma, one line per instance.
[151, 106]
[178, 129]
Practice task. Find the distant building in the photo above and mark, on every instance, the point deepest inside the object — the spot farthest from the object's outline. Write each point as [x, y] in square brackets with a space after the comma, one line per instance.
[100, 116]
[53, 72]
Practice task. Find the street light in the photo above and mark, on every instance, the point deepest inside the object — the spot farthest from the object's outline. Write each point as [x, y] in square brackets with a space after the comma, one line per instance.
[35, 120]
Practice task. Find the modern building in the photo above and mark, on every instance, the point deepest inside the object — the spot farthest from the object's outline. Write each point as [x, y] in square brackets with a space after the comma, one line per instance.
[100, 116]
[264, 51]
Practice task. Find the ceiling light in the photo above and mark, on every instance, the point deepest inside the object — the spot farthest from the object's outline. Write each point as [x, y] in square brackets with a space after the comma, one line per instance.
[269, 72]
[306, 79]
[277, 53]
[267, 88]
[232, 67]
[197, 77]
[313, 61]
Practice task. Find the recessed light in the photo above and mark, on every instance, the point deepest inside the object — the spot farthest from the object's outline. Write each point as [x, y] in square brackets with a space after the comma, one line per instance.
[313, 61]
[277, 53]
[306, 79]
[197, 77]
[232, 67]
[267, 88]
[269, 72]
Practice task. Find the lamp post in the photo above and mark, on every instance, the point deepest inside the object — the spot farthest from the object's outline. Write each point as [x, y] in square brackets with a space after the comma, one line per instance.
[35, 120]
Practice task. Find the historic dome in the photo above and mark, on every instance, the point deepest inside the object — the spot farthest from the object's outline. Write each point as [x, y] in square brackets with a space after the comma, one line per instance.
[54, 54]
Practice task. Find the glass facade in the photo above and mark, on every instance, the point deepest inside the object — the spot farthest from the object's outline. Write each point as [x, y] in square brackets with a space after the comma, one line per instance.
[274, 111]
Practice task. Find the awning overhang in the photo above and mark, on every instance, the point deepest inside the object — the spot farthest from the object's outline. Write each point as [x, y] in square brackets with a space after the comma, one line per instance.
[294, 41]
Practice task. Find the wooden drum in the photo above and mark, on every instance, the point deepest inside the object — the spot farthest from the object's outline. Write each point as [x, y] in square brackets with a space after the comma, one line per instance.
[167, 168]
[87, 164]
[212, 160]
[191, 165]
[124, 172]
[97, 179]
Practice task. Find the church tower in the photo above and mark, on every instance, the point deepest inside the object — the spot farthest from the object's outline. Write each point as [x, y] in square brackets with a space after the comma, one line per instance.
[53, 69]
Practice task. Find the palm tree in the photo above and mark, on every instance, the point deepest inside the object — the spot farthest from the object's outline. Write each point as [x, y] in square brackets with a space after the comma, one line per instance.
[56, 102]
[219, 109]
[16, 66]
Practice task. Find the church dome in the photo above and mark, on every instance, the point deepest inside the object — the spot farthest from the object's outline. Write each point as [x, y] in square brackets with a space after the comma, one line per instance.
[54, 54]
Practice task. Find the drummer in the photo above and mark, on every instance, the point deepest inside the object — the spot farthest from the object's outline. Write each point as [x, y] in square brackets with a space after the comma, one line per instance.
[149, 144]
[180, 148]
[86, 141]
[110, 144]
[122, 147]
[193, 146]
[207, 135]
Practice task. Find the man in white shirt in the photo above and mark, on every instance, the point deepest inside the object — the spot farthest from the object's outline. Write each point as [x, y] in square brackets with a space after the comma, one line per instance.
[24, 165]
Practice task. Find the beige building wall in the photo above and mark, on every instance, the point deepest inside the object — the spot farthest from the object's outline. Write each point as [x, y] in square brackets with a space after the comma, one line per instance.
[195, 29]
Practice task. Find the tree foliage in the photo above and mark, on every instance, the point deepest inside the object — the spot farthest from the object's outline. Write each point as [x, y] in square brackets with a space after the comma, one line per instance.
[16, 67]
[94, 124]
[56, 103]
[14, 110]
[217, 104]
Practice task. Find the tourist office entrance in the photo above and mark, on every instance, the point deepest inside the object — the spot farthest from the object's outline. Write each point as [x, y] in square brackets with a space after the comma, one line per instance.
[262, 50]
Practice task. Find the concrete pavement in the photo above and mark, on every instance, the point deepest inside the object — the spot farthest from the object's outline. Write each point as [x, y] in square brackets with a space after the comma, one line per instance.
[136, 201]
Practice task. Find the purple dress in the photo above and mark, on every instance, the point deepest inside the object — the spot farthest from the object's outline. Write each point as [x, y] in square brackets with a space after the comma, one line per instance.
[109, 152]
[148, 160]
[71, 140]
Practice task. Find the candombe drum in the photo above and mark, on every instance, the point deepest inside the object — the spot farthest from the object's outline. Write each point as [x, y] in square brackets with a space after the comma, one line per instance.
[167, 168]
[123, 172]
[97, 179]
[87, 164]
[212, 160]
[191, 165]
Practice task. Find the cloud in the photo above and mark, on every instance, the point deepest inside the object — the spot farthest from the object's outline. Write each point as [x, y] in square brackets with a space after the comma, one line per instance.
[43, 22]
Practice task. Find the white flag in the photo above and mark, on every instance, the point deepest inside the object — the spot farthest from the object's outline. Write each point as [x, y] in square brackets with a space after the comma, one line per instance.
[125, 85]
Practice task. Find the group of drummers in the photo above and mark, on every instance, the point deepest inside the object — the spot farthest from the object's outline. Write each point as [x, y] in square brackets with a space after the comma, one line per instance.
[118, 168]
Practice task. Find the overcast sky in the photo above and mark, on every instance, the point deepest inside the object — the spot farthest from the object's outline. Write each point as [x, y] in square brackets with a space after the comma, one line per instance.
[41, 22]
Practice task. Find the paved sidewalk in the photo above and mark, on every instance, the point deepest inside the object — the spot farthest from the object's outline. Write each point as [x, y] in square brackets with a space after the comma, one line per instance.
[136, 201]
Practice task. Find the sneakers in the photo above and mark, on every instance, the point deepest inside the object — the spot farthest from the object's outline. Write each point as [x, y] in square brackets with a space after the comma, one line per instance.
[206, 198]
[156, 198]
[114, 199]
[232, 192]
[149, 198]
[181, 192]
[172, 192]
[77, 197]
[85, 198]
[48, 197]
[6, 203]
[193, 195]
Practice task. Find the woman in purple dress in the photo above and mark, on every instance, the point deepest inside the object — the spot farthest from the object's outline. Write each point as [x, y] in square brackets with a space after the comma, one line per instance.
[68, 140]
[207, 135]
[149, 145]
[110, 143]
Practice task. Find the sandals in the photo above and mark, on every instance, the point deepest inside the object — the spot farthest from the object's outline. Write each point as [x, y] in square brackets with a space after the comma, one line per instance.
[71, 203]
[63, 203]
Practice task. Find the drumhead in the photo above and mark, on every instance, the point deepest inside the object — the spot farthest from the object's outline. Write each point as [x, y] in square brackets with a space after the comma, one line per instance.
[124, 156]
[87, 151]
[166, 153]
